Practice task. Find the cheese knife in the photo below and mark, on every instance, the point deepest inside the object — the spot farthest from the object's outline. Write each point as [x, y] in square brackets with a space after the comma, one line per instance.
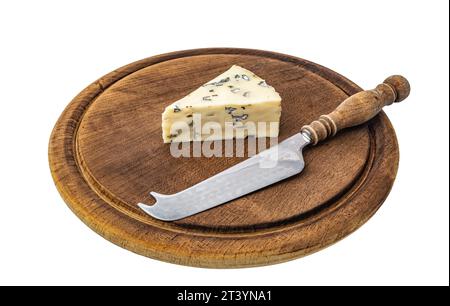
[278, 162]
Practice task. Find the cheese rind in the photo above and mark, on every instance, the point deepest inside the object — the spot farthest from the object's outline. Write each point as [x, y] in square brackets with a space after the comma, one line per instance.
[237, 102]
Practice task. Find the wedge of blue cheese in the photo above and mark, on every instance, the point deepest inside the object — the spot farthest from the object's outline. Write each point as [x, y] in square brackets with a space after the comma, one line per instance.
[235, 104]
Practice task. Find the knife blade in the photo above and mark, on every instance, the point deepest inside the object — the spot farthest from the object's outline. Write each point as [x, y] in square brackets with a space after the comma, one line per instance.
[279, 162]
[261, 170]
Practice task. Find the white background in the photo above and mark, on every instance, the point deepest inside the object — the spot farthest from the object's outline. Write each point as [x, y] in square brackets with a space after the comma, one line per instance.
[50, 50]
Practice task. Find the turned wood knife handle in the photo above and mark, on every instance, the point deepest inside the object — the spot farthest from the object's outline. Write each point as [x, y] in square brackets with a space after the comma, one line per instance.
[358, 109]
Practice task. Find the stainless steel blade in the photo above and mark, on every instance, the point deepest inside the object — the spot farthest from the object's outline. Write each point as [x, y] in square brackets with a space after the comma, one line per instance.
[261, 170]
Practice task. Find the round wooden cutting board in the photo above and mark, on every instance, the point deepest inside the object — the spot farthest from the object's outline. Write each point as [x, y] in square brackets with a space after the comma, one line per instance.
[106, 154]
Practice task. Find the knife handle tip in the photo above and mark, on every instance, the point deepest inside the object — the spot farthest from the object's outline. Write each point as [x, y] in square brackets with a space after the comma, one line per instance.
[400, 85]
